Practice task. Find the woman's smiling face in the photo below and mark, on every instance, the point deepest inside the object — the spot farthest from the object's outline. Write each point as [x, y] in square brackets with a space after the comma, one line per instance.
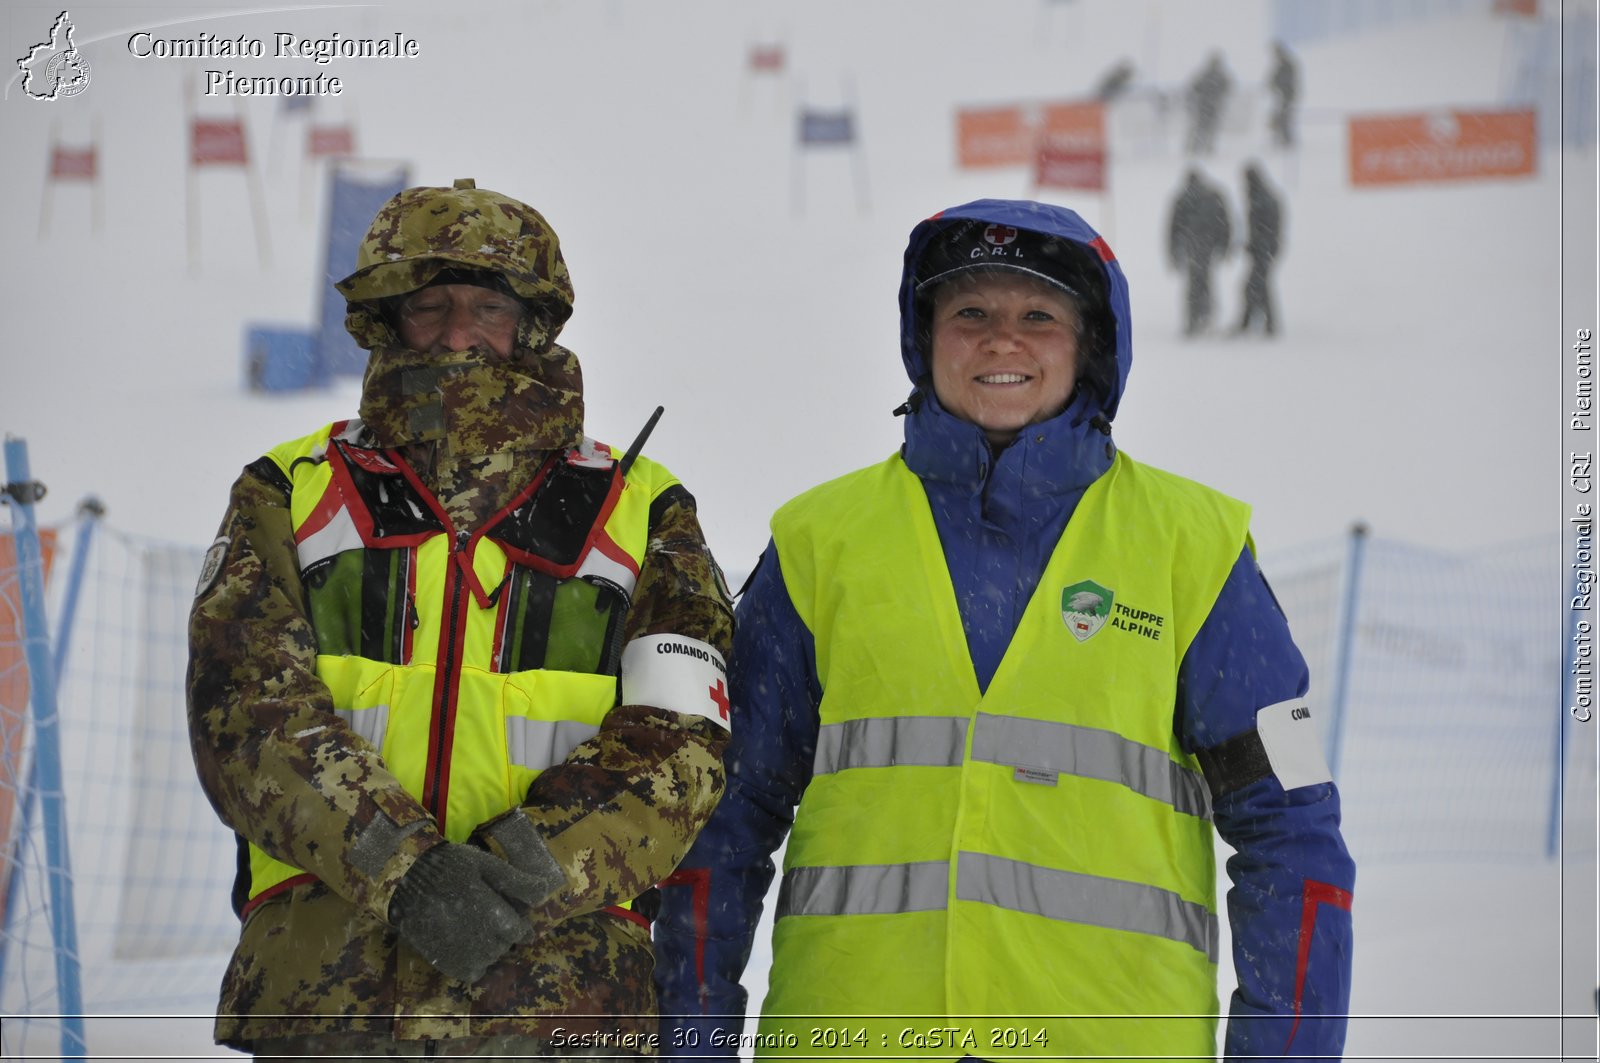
[1004, 350]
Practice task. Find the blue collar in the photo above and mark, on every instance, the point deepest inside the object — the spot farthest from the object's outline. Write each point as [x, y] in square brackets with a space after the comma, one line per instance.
[1060, 456]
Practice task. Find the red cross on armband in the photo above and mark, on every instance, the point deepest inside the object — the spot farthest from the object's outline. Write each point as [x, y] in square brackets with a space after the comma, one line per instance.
[719, 694]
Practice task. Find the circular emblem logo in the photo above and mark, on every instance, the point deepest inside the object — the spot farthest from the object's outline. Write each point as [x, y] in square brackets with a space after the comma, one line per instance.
[68, 72]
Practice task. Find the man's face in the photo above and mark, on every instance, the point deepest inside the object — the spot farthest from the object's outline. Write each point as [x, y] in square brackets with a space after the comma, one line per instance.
[458, 317]
[1005, 350]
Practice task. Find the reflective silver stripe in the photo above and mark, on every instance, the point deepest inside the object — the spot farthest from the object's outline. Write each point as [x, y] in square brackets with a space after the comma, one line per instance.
[1092, 754]
[370, 724]
[864, 889]
[537, 744]
[1077, 898]
[881, 742]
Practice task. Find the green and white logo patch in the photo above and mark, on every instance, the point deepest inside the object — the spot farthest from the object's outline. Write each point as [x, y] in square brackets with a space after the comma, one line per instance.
[1084, 608]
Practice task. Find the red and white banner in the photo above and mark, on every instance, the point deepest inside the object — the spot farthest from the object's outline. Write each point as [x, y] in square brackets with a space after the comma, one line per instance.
[327, 141]
[1084, 170]
[73, 164]
[216, 142]
[1072, 147]
[1442, 146]
[766, 58]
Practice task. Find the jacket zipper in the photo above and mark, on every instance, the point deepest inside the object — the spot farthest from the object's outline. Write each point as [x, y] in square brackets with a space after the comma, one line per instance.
[438, 784]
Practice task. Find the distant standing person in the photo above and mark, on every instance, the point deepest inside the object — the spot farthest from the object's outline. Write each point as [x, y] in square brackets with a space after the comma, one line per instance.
[1206, 97]
[1263, 241]
[1284, 84]
[1198, 235]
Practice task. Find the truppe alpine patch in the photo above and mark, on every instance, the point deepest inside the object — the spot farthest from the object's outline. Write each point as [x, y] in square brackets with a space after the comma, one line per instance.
[1085, 605]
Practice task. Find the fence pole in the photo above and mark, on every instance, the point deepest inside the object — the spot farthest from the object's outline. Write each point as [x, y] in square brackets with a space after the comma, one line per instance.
[22, 492]
[90, 510]
[1349, 600]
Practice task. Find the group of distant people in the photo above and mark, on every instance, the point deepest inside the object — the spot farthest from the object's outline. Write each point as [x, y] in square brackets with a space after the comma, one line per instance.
[1206, 96]
[1200, 235]
[1199, 232]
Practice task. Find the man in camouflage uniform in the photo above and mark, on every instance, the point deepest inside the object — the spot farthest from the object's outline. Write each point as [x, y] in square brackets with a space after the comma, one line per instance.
[455, 678]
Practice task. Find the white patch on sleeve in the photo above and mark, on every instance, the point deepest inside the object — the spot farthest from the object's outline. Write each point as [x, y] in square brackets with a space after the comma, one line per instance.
[676, 673]
[1293, 749]
[211, 565]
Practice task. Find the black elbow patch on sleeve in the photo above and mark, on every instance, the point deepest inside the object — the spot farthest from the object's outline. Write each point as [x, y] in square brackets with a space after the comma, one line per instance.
[1234, 764]
[266, 470]
[675, 495]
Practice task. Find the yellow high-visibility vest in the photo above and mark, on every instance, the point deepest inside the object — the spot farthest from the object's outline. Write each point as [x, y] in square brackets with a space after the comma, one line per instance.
[472, 663]
[1022, 871]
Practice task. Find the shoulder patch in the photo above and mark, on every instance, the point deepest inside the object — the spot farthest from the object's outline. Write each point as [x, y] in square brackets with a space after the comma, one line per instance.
[211, 566]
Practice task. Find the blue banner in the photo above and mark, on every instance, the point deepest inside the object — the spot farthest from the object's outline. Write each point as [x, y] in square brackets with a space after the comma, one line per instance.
[282, 359]
[827, 127]
[354, 197]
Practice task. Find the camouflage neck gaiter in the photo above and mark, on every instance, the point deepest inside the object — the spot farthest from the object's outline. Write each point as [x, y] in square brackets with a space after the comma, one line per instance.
[469, 404]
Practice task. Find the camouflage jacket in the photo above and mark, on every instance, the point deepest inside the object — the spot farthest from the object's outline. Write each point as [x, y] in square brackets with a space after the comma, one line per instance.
[287, 774]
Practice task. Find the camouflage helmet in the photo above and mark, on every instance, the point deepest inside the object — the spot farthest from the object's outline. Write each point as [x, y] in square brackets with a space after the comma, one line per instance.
[422, 231]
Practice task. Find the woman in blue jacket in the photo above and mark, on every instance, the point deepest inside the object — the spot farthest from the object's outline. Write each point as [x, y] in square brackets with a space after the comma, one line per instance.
[1018, 826]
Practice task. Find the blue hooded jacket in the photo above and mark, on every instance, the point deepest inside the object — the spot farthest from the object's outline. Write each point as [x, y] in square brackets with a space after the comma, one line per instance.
[999, 516]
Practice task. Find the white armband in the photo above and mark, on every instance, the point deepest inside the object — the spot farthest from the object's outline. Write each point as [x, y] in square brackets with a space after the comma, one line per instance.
[676, 673]
[1293, 748]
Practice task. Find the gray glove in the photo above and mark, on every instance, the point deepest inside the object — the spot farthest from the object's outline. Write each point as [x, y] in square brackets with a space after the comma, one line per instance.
[458, 907]
[514, 839]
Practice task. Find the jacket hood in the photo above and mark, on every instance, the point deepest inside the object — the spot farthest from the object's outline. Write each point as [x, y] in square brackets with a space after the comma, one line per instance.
[1046, 220]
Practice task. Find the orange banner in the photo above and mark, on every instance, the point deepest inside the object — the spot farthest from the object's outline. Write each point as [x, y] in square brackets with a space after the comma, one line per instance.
[1444, 146]
[993, 136]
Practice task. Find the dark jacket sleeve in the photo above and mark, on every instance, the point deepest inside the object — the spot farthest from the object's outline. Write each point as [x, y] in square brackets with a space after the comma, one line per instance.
[709, 910]
[279, 766]
[620, 812]
[1293, 879]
